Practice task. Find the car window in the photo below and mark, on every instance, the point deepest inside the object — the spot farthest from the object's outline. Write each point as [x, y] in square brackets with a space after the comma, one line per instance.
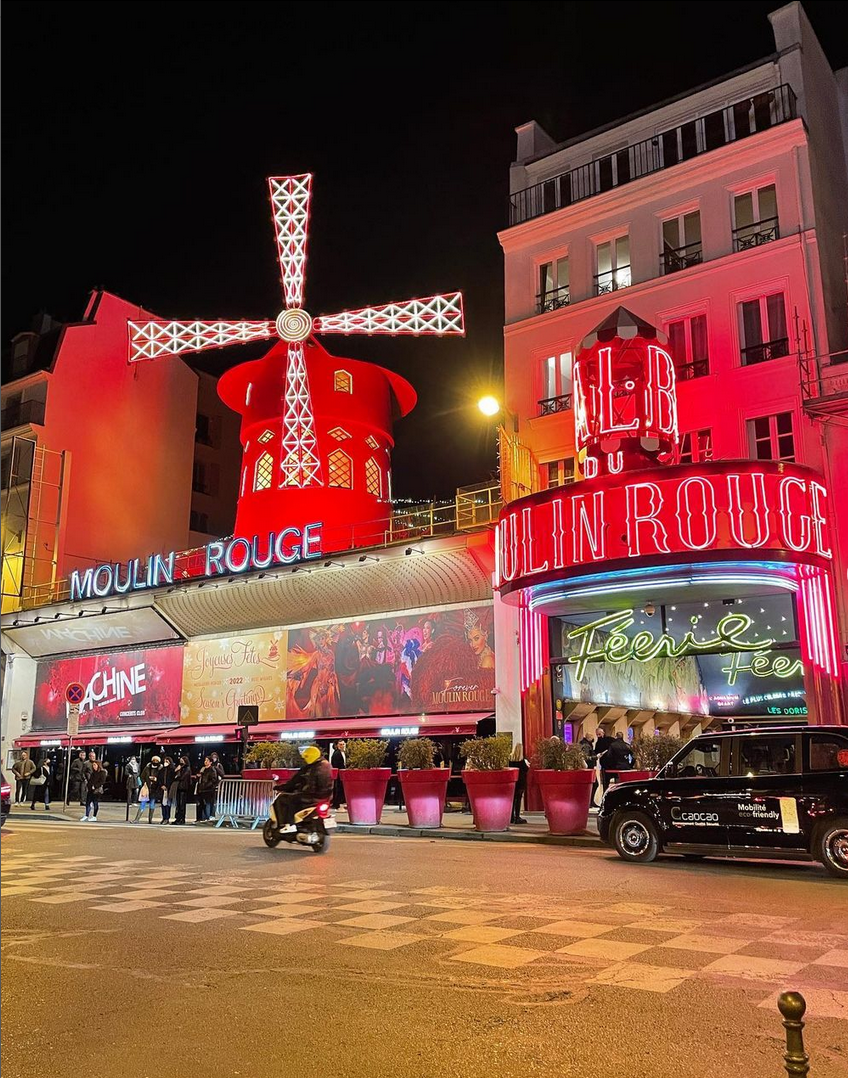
[701, 760]
[767, 756]
[828, 752]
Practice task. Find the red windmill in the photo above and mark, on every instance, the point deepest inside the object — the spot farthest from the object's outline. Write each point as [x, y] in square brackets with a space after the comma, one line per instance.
[296, 454]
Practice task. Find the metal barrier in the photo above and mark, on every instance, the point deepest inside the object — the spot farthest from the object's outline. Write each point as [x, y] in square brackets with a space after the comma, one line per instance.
[244, 799]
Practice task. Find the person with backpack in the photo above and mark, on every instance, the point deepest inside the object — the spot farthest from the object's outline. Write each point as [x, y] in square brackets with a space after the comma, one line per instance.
[94, 782]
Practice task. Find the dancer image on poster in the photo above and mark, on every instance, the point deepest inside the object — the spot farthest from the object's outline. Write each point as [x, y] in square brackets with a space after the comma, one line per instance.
[457, 670]
[317, 672]
[478, 641]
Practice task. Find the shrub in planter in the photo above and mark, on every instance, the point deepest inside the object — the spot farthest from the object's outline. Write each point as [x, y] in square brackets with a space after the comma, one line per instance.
[490, 781]
[655, 750]
[267, 757]
[365, 780]
[565, 783]
[424, 786]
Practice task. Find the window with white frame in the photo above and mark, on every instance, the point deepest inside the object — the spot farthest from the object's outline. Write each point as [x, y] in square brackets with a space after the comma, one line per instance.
[689, 346]
[372, 477]
[612, 259]
[681, 240]
[265, 436]
[771, 437]
[340, 469]
[553, 291]
[755, 218]
[555, 383]
[696, 446]
[762, 328]
[264, 472]
[339, 433]
[557, 473]
[342, 382]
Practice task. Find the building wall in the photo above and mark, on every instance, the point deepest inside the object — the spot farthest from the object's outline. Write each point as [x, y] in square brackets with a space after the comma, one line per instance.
[217, 457]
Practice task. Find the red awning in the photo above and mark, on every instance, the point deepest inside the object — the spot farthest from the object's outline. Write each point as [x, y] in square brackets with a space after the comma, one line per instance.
[371, 726]
[186, 735]
[91, 737]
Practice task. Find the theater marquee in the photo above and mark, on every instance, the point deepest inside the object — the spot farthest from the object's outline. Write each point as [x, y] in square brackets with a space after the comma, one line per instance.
[730, 508]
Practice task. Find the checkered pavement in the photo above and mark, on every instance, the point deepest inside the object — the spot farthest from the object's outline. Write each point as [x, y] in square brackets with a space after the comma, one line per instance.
[632, 945]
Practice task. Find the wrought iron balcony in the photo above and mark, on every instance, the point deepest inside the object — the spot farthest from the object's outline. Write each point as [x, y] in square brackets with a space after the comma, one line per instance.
[680, 258]
[552, 405]
[22, 413]
[750, 236]
[698, 368]
[552, 300]
[737, 121]
[612, 280]
[760, 353]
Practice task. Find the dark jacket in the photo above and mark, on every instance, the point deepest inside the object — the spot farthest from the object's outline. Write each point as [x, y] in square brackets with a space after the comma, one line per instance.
[151, 776]
[207, 781]
[95, 781]
[619, 757]
[182, 775]
[588, 750]
[76, 773]
[523, 768]
[337, 760]
[166, 776]
[602, 745]
[313, 781]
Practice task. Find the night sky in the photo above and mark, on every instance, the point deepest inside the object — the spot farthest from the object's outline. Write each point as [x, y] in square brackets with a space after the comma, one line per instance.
[138, 137]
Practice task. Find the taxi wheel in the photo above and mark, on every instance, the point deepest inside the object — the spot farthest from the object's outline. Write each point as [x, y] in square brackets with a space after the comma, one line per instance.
[635, 837]
[832, 847]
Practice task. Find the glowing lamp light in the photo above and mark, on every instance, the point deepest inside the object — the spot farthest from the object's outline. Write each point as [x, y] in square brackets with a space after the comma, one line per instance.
[489, 406]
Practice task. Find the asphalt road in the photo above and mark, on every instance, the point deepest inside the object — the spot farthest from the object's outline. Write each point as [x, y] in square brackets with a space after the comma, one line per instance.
[152, 952]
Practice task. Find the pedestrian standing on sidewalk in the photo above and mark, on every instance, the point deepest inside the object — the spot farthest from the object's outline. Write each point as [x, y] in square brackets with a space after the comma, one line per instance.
[207, 788]
[166, 778]
[76, 787]
[338, 760]
[132, 780]
[182, 788]
[219, 767]
[39, 784]
[23, 770]
[150, 779]
[517, 760]
[93, 792]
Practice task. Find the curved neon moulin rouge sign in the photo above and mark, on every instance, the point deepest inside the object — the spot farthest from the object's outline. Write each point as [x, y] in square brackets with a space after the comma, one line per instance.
[735, 506]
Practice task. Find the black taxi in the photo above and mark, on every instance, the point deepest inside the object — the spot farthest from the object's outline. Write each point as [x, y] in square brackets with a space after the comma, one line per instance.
[762, 792]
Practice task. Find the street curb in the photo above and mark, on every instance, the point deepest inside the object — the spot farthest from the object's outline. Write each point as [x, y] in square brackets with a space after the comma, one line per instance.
[585, 841]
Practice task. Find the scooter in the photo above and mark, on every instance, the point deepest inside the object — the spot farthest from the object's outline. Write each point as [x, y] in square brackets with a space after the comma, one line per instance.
[312, 828]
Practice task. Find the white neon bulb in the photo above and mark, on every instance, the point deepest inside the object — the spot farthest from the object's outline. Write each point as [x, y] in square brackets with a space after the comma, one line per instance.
[299, 462]
[439, 315]
[290, 197]
[150, 340]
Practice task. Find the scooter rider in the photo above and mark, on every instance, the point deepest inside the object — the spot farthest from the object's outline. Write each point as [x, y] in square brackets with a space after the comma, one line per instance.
[310, 786]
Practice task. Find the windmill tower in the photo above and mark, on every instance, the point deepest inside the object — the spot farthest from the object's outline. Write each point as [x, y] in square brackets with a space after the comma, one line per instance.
[316, 430]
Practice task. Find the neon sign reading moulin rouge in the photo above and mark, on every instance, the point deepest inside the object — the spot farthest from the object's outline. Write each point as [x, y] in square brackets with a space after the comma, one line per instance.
[644, 646]
[676, 510]
[222, 557]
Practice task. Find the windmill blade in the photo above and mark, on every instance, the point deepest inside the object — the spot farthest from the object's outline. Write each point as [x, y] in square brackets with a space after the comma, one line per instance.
[150, 340]
[290, 197]
[438, 315]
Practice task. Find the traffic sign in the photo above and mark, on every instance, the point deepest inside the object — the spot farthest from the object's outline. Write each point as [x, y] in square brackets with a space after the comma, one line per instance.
[74, 692]
[247, 714]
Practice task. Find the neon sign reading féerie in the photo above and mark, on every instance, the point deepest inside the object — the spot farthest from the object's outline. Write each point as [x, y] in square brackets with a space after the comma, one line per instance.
[743, 507]
[762, 665]
[644, 646]
[219, 558]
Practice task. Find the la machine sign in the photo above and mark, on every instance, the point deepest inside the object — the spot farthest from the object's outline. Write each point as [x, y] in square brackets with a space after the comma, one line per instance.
[741, 507]
[221, 558]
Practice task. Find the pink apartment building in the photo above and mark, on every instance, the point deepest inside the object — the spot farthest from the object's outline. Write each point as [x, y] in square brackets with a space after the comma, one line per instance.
[720, 218]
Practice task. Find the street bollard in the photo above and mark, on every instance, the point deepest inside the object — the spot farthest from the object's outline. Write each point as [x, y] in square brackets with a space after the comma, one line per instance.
[792, 1006]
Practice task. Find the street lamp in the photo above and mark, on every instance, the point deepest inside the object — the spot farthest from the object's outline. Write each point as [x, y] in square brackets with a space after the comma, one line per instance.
[491, 406]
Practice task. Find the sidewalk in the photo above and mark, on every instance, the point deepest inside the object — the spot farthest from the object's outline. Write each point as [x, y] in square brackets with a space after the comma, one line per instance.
[395, 824]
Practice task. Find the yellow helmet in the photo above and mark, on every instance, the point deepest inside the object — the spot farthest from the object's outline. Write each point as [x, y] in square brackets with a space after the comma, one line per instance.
[311, 754]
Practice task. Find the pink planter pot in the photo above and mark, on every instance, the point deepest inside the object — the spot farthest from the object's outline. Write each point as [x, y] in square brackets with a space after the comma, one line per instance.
[633, 775]
[424, 792]
[365, 792]
[491, 794]
[565, 795]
